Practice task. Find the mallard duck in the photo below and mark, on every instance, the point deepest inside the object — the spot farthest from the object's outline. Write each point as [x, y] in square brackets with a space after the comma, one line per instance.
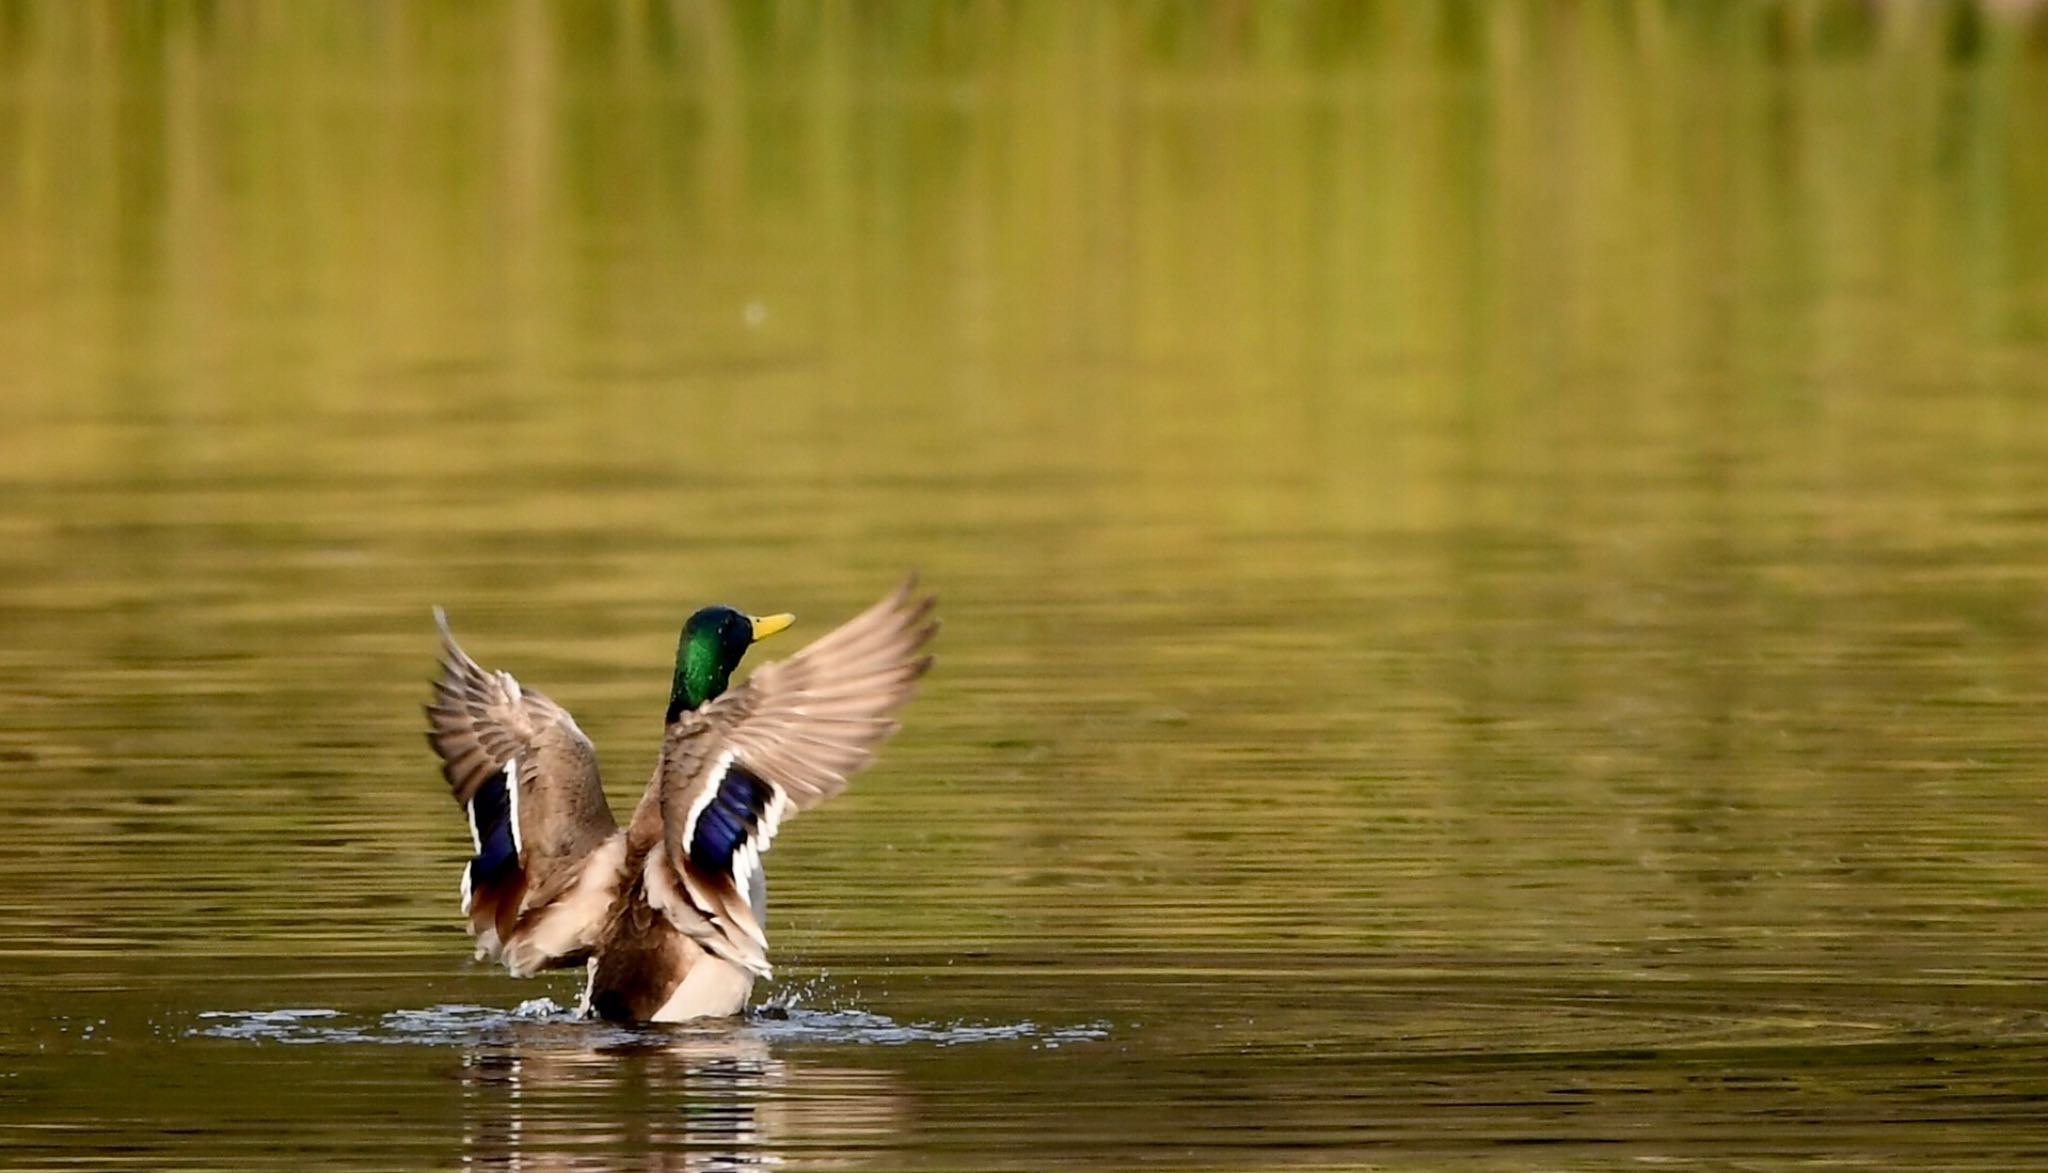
[667, 913]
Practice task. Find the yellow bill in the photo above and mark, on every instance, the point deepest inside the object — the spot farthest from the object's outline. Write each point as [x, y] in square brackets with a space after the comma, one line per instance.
[767, 625]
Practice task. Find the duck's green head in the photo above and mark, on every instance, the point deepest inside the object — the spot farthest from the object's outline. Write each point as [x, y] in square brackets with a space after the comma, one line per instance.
[711, 646]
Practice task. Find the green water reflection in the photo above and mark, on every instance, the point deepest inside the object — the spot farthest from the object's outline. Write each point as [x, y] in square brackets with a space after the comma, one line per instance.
[1492, 554]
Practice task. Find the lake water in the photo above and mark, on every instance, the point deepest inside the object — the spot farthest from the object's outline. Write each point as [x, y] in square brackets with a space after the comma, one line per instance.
[1494, 556]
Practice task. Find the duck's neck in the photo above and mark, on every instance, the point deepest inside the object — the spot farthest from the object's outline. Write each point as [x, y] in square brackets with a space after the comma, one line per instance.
[701, 674]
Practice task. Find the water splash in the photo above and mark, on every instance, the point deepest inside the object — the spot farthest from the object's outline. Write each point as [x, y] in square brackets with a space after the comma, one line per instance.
[443, 1025]
[860, 1026]
[541, 1021]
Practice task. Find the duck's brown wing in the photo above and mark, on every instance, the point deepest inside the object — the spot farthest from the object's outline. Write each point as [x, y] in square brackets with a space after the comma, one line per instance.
[785, 741]
[546, 850]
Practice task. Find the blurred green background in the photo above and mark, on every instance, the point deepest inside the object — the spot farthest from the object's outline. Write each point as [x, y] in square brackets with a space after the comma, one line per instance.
[1492, 555]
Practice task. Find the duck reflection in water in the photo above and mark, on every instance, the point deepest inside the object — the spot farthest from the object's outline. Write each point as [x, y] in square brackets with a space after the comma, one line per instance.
[701, 1102]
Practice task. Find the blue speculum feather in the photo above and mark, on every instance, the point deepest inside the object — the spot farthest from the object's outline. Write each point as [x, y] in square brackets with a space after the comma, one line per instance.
[727, 820]
[497, 853]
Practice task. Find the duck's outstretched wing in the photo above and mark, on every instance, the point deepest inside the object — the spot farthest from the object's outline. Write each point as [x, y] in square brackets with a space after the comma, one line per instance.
[547, 851]
[785, 741]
